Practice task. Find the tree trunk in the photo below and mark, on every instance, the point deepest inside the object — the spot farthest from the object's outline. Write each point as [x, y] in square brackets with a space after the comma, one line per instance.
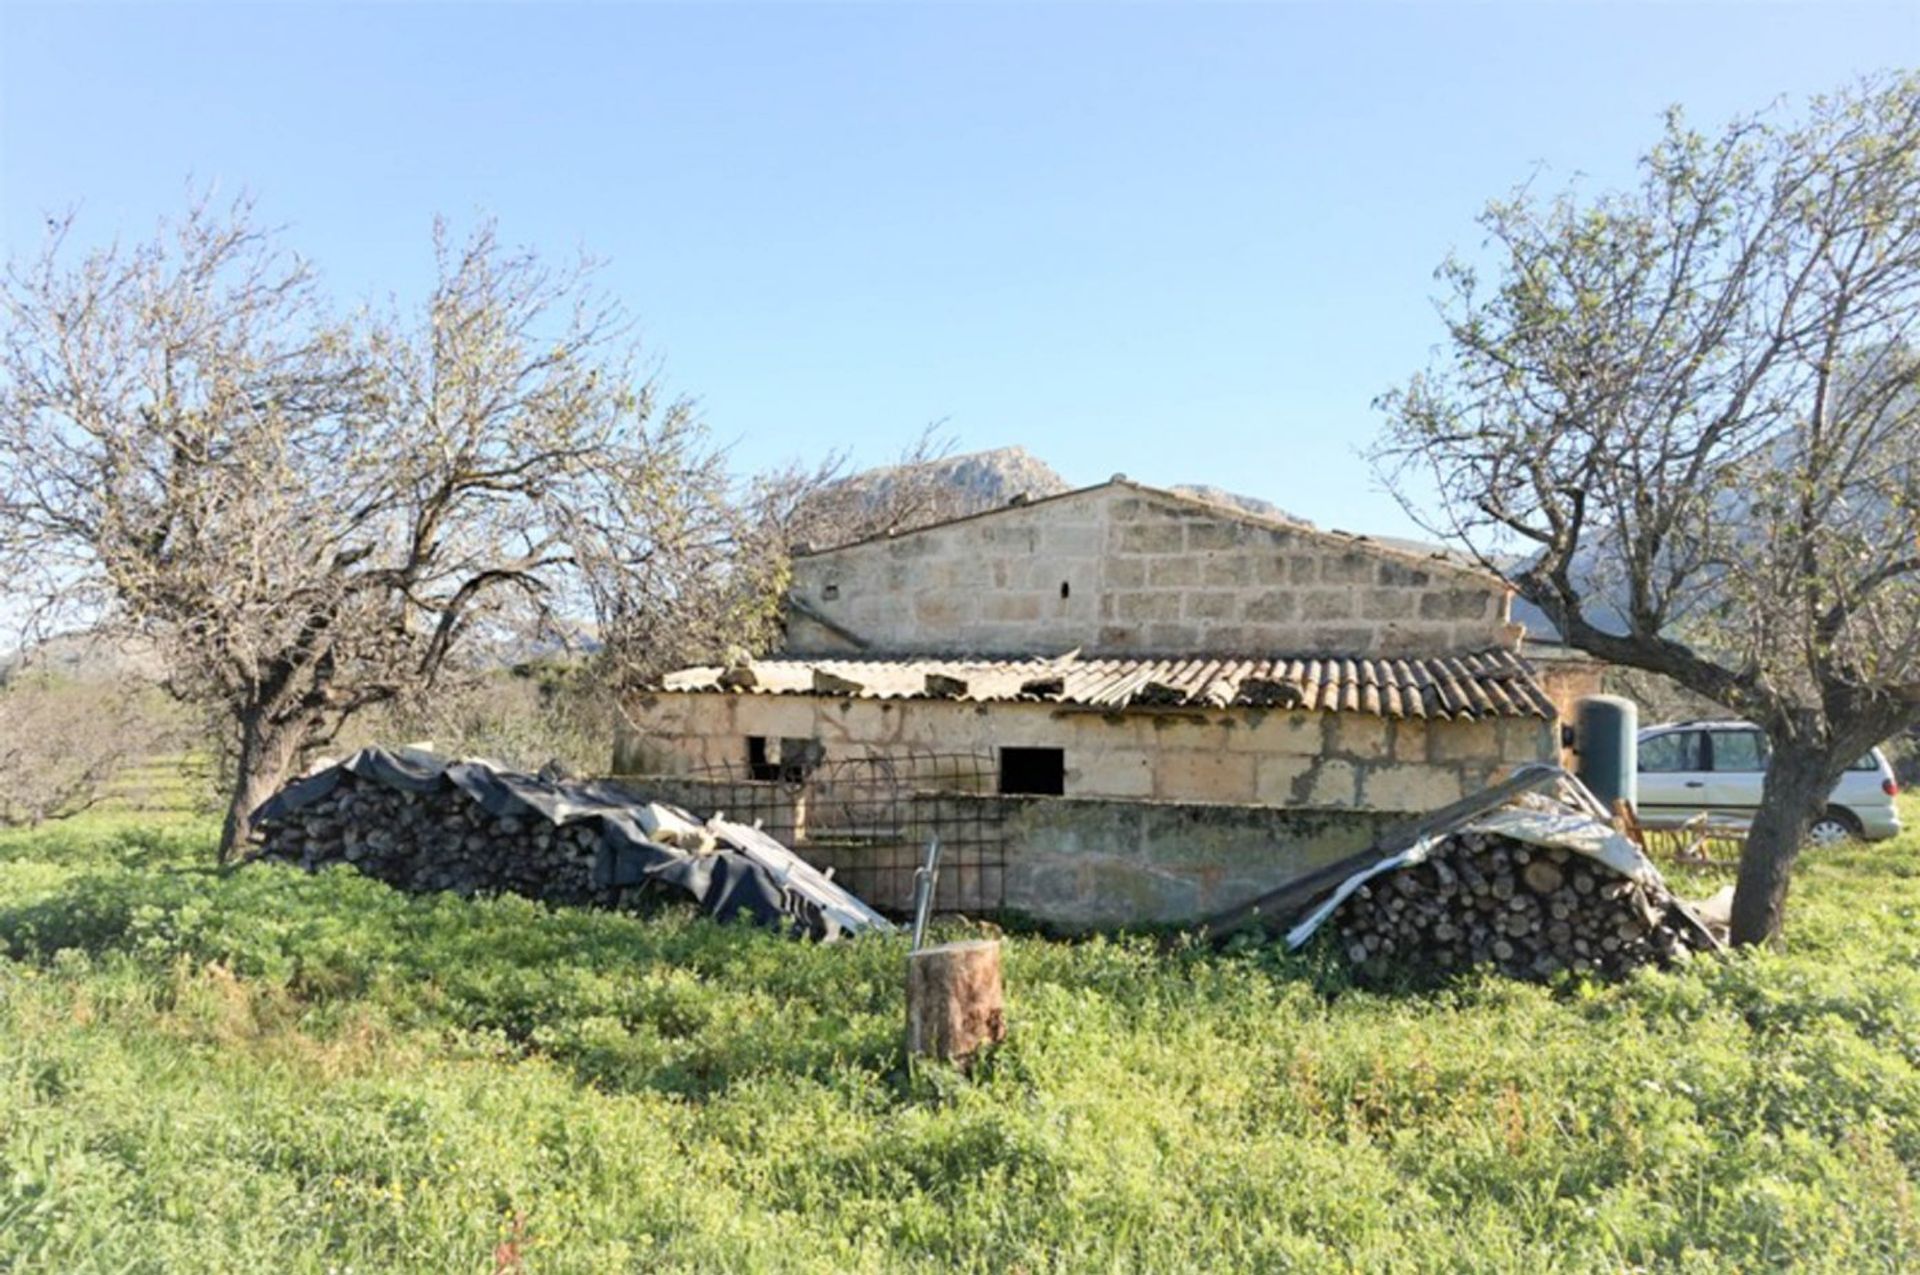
[954, 1000]
[260, 767]
[1798, 782]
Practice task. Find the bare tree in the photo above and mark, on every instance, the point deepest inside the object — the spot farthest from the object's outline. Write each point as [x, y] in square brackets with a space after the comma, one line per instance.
[805, 506]
[824, 505]
[312, 515]
[672, 568]
[1685, 420]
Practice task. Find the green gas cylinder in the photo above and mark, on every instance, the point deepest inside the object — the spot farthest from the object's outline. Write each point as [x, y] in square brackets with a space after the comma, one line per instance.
[1606, 745]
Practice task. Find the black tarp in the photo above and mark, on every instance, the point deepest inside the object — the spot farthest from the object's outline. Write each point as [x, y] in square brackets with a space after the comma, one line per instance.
[743, 875]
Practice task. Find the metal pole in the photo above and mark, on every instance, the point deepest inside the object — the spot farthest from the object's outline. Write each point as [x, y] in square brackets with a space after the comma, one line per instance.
[925, 878]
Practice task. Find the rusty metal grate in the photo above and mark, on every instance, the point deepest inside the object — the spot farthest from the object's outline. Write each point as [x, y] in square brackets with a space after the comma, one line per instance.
[868, 818]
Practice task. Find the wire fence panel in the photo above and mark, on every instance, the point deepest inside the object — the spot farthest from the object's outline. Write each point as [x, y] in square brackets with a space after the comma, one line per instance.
[868, 819]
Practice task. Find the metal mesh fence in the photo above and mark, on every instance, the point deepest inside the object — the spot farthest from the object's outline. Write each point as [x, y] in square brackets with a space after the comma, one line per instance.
[868, 819]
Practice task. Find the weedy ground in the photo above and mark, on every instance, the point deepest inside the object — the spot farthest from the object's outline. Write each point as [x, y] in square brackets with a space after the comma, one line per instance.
[261, 1070]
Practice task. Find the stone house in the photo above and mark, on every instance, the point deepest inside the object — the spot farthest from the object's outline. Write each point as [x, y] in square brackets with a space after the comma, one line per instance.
[1164, 647]
[1121, 643]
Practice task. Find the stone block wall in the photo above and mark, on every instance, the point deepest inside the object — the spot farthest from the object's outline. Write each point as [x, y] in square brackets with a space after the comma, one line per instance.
[778, 809]
[1080, 863]
[1093, 864]
[878, 862]
[1124, 569]
[1333, 761]
[1567, 677]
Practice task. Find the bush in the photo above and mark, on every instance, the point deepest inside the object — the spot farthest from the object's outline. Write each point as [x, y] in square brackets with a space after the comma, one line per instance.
[525, 716]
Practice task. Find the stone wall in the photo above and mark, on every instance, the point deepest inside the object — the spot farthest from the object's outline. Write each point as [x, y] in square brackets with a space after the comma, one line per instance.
[1124, 569]
[1088, 864]
[1567, 677]
[1079, 863]
[778, 809]
[1234, 755]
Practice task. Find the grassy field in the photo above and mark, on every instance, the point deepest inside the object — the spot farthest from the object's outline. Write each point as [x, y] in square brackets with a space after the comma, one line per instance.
[265, 1071]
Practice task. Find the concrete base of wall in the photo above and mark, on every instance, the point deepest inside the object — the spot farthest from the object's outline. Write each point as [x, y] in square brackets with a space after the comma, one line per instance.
[1072, 863]
[1080, 864]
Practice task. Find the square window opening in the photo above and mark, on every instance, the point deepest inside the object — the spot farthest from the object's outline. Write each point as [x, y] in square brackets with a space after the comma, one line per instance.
[760, 765]
[792, 762]
[1035, 771]
[799, 756]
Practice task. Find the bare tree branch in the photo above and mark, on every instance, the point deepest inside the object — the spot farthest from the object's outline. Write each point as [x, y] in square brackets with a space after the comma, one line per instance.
[1685, 422]
[314, 515]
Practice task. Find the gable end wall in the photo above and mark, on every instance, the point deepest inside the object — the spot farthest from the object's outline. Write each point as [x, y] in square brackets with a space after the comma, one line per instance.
[1117, 570]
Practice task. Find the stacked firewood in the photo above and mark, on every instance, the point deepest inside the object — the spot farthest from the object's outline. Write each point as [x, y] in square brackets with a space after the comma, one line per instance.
[1527, 910]
[440, 840]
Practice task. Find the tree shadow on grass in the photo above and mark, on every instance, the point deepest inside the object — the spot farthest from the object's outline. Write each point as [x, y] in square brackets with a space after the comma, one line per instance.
[664, 999]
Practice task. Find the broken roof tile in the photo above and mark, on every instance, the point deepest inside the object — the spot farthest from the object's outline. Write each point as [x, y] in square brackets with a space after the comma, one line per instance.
[1493, 683]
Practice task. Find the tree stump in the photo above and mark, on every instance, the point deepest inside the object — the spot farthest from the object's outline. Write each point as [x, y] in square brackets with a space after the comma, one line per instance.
[954, 1000]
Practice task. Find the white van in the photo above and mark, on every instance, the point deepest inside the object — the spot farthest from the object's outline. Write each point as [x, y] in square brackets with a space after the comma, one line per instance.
[1688, 767]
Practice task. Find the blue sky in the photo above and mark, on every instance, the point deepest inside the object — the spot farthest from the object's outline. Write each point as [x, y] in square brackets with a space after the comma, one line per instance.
[1187, 243]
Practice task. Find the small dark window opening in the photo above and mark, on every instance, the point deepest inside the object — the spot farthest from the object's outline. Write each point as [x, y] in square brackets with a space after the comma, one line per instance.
[1041, 771]
[830, 592]
[759, 765]
[798, 758]
[1066, 589]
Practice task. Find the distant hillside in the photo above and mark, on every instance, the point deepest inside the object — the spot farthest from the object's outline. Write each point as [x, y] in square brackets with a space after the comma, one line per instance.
[994, 477]
[952, 485]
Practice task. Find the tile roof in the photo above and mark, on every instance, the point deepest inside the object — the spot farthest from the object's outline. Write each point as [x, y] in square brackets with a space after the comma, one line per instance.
[1494, 683]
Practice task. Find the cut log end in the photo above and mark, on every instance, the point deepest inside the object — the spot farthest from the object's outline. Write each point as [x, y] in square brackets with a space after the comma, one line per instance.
[955, 1001]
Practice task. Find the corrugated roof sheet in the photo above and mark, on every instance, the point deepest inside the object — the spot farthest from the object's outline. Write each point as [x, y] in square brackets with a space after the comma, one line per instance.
[1494, 683]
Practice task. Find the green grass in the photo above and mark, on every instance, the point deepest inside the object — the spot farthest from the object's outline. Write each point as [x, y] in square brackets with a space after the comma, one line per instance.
[267, 1071]
[164, 786]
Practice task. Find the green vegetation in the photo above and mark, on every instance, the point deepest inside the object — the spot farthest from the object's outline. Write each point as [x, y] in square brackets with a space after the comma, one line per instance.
[164, 785]
[266, 1071]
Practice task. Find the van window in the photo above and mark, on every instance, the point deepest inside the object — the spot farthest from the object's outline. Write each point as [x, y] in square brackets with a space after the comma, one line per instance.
[1674, 751]
[1739, 750]
[1869, 762]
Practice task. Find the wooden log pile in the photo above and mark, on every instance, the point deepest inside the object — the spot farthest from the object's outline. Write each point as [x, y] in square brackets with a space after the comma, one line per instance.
[439, 841]
[1526, 910]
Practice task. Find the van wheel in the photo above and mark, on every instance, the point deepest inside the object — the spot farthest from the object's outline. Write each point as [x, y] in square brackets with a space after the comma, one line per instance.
[1833, 828]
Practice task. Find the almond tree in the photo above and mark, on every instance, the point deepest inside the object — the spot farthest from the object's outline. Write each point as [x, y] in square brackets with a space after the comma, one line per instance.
[1684, 420]
[311, 515]
[824, 505]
